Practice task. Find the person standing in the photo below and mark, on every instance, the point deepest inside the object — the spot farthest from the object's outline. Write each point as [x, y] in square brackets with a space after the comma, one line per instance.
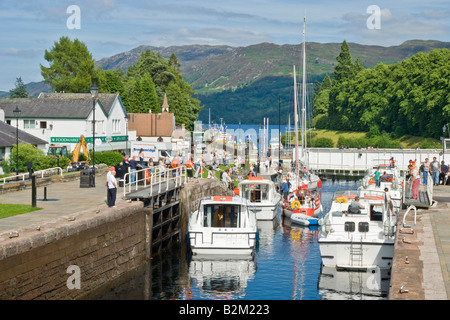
[389, 200]
[376, 177]
[415, 177]
[435, 170]
[141, 157]
[111, 184]
[426, 170]
[285, 187]
[444, 171]
[133, 167]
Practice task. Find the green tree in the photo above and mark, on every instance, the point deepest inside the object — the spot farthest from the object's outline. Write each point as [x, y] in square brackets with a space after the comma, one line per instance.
[149, 95]
[20, 91]
[344, 68]
[110, 81]
[71, 66]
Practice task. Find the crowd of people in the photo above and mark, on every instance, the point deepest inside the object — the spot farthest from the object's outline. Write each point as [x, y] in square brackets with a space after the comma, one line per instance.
[439, 173]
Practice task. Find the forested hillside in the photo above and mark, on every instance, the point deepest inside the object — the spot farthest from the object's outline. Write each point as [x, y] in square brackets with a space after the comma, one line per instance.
[411, 97]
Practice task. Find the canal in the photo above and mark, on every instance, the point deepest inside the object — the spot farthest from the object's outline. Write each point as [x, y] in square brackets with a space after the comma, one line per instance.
[286, 266]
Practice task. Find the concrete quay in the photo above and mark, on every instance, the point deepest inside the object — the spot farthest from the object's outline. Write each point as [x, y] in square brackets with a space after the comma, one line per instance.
[421, 261]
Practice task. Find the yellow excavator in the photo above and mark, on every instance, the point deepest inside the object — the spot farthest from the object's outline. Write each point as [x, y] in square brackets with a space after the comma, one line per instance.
[76, 152]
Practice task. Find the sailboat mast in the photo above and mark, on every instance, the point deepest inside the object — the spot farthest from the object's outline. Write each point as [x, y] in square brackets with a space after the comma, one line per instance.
[304, 93]
[295, 127]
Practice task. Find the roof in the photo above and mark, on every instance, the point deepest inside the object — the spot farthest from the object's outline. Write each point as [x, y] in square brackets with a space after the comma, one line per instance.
[57, 105]
[8, 136]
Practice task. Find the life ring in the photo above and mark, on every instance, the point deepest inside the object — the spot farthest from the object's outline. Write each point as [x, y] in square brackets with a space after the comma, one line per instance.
[341, 200]
[296, 205]
[147, 175]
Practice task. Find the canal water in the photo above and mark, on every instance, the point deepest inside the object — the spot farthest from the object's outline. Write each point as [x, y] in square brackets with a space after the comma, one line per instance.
[286, 266]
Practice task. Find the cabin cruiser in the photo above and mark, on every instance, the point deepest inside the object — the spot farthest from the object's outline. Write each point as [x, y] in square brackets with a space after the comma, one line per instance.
[262, 196]
[358, 238]
[390, 178]
[223, 225]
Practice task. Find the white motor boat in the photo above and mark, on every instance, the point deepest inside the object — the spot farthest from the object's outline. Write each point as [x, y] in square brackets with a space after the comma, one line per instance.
[222, 225]
[263, 198]
[390, 178]
[351, 240]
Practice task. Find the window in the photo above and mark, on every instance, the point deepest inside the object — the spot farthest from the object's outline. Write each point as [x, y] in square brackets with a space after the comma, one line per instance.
[363, 227]
[219, 216]
[29, 124]
[116, 125]
[43, 124]
[349, 226]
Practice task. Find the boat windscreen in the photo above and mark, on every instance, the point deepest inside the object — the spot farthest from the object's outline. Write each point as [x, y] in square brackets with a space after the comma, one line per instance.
[221, 215]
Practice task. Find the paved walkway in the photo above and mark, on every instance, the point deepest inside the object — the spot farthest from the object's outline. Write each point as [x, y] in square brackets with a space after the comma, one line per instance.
[439, 217]
[64, 199]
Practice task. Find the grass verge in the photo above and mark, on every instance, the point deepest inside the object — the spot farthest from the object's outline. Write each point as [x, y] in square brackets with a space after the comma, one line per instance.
[9, 210]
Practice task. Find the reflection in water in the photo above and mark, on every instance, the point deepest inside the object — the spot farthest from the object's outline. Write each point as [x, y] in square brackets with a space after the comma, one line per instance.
[351, 285]
[221, 278]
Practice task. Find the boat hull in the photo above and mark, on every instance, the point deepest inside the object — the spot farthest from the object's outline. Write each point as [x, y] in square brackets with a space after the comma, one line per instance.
[373, 254]
[222, 242]
[265, 211]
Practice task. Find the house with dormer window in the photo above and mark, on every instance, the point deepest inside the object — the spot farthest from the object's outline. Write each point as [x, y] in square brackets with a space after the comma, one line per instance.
[61, 118]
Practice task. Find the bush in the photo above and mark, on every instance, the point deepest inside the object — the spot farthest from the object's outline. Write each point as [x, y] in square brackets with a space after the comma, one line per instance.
[28, 152]
[110, 158]
[322, 143]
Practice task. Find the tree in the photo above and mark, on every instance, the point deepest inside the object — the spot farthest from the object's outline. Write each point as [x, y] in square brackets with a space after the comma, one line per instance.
[343, 70]
[20, 91]
[71, 66]
[149, 96]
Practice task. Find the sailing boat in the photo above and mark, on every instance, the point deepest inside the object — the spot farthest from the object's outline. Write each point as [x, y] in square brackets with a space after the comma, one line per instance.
[304, 199]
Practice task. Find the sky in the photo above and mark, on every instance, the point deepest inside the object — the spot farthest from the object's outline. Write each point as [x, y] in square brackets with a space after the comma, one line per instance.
[108, 27]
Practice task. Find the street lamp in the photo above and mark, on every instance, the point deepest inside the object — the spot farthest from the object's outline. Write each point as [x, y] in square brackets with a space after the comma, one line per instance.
[94, 95]
[17, 115]
[127, 117]
[443, 141]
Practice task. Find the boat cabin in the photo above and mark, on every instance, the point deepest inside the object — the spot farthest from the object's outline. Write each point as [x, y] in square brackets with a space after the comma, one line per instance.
[256, 189]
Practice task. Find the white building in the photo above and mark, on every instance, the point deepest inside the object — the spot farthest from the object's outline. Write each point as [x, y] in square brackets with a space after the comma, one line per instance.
[61, 118]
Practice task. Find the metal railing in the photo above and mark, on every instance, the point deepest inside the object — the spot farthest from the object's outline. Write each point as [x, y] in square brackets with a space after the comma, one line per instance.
[160, 176]
[25, 176]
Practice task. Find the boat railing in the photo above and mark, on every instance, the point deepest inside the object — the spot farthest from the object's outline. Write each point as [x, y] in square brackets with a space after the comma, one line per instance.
[348, 195]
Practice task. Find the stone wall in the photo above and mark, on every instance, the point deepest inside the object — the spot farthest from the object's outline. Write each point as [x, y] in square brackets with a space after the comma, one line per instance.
[97, 247]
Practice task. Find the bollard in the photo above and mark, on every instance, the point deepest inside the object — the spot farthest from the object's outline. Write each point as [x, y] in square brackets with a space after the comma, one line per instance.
[33, 191]
[45, 194]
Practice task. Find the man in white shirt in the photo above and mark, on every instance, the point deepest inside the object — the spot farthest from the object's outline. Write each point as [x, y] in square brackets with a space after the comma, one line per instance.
[111, 183]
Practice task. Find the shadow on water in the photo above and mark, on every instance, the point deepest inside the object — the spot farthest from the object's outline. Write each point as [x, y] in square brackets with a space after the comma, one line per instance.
[286, 266]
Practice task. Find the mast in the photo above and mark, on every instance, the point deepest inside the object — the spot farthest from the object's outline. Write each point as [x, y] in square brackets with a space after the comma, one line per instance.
[304, 93]
[295, 128]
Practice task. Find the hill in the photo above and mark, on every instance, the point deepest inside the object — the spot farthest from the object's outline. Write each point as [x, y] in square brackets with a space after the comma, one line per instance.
[215, 68]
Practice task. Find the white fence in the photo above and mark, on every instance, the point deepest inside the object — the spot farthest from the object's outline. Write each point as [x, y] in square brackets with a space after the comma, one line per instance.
[359, 160]
[25, 176]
